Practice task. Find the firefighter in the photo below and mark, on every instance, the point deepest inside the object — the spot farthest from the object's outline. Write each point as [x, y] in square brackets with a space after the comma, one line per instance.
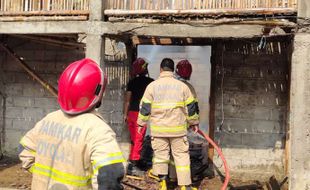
[74, 148]
[170, 107]
[134, 93]
[184, 72]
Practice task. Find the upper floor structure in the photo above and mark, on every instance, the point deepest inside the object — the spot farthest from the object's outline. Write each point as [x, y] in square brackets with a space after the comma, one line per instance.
[17, 10]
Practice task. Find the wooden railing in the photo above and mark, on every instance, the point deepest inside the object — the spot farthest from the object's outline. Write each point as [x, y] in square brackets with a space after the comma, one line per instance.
[136, 7]
[44, 7]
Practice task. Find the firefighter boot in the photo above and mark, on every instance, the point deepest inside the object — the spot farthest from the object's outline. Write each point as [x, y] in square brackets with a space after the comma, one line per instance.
[162, 182]
[134, 170]
[152, 175]
[188, 188]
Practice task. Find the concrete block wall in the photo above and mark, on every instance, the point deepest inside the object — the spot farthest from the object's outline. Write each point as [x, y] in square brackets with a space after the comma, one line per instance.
[26, 100]
[255, 86]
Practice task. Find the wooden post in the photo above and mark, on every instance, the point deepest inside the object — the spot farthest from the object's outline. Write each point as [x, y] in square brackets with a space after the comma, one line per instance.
[212, 103]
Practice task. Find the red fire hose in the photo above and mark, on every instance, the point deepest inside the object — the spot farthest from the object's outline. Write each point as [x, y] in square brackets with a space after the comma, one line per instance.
[227, 176]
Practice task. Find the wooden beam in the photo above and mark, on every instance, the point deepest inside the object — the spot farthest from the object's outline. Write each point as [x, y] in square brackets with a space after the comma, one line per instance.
[183, 30]
[22, 63]
[204, 12]
[41, 27]
[143, 40]
[54, 42]
[42, 18]
[135, 29]
[152, 40]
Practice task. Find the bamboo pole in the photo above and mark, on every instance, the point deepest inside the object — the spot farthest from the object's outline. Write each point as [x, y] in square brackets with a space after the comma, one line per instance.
[146, 5]
[131, 3]
[108, 5]
[117, 4]
[52, 4]
[22, 63]
[31, 5]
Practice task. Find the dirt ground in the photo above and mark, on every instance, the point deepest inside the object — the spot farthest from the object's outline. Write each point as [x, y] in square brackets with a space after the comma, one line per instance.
[12, 176]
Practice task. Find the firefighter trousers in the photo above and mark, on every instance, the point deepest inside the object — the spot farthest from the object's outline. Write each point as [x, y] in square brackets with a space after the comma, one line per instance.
[135, 137]
[179, 148]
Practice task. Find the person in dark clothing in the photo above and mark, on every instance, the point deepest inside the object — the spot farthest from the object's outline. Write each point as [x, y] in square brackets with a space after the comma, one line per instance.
[134, 93]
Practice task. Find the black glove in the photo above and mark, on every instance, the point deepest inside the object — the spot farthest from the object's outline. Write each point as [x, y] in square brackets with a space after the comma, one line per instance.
[110, 177]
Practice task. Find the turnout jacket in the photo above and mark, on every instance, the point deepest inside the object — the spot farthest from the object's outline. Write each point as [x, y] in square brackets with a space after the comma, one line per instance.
[170, 107]
[192, 89]
[69, 152]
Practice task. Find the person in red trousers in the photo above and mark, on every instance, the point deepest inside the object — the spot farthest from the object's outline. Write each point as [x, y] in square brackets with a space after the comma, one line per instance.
[134, 93]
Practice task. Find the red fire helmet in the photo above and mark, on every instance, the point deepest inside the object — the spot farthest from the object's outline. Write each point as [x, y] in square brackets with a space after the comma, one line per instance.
[184, 69]
[81, 86]
[139, 66]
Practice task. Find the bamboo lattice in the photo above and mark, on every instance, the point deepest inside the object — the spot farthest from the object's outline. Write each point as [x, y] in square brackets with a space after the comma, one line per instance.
[61, 6]
[197, 4]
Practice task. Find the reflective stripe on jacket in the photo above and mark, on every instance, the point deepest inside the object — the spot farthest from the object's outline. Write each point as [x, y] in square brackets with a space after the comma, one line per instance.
[169, 106]
[67, 151]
